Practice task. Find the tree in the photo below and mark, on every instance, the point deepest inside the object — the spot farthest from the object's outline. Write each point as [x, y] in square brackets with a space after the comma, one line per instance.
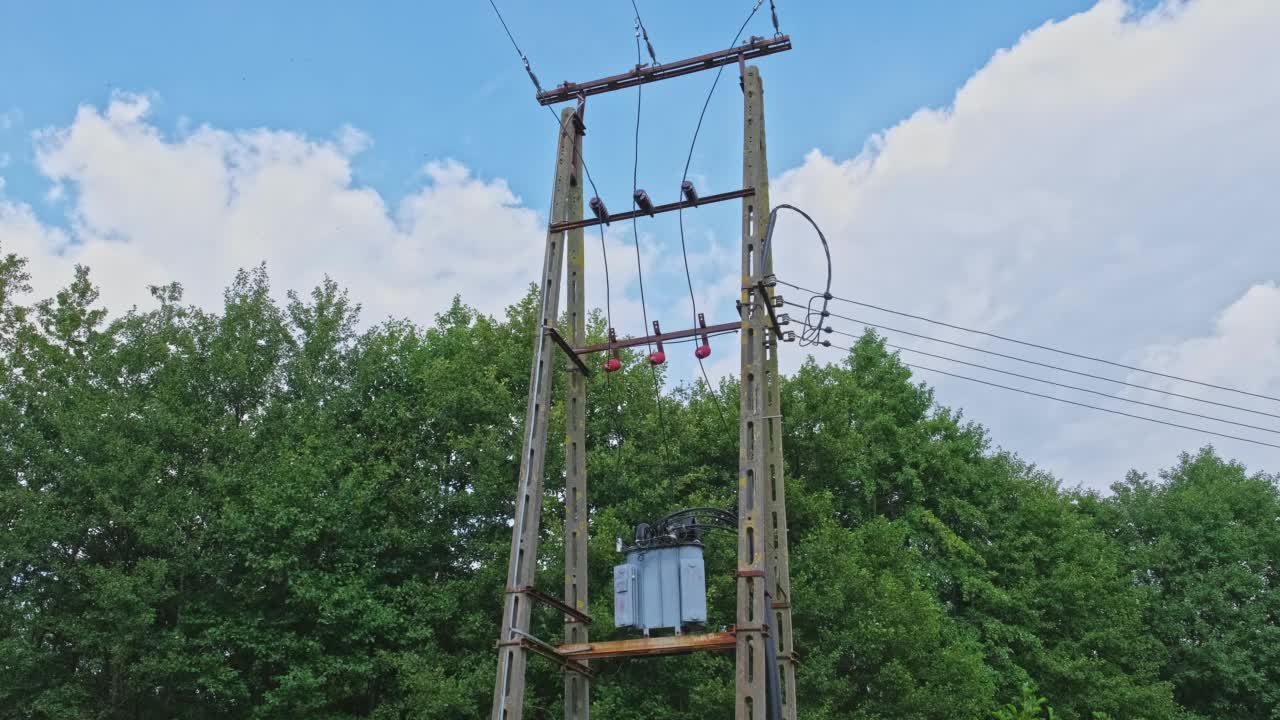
[1203, 542]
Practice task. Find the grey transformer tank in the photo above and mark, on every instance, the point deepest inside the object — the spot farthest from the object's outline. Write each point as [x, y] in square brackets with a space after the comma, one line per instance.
[662, 582]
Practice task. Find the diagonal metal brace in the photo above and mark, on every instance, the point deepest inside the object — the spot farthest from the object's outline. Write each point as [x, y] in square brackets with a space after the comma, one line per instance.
[549, 651]
[568, 350]
[544, 598]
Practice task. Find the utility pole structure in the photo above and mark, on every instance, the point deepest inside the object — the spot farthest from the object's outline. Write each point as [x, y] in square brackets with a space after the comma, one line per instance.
[761, 638]
[515, 642]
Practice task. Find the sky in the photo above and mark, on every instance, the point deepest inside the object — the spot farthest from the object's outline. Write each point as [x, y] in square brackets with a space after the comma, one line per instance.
[1098, 177]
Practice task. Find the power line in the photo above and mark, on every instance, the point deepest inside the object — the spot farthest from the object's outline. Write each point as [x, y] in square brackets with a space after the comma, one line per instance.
[1068, 387]
[684, 250]
[715, 395]
[810, 334]
[608, 291]
[645, 31]
[1036, 362]
[1078, 404]
[635, 234]
[538, 86]
[1038, 346]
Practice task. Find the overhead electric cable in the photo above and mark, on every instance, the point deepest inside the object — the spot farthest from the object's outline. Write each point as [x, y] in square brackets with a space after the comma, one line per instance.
[684, 250]
[1035, 362]
[645, 32]
[1040, 347]
[538, 86]
[1065, 386]
[1078, 404]
[811, 333]
[635, 234]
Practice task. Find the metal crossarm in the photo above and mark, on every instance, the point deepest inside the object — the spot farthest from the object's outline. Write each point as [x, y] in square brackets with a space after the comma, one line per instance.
[754, 48]
[655, 210]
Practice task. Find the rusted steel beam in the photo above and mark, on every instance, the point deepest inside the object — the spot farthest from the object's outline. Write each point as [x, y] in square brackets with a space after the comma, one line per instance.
[632, 342]
[754, 48]
[549, 651]
[657, 209]
[647, 647]
[554, 602]
[568, 350]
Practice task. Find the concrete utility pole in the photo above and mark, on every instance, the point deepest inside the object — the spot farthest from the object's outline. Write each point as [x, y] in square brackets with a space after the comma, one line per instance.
[761, 639]
[515, 641]
[764, 582]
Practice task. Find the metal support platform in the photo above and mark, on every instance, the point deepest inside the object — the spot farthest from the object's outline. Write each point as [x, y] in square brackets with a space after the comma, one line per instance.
[650, 646]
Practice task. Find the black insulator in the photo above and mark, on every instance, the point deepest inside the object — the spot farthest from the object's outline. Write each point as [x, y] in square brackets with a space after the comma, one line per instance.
[643, 202]
[599, 210]
[690, 194]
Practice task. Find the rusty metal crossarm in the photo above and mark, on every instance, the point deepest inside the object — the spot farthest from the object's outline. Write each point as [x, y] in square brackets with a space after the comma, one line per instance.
[657, 209]
[756, 47]
[632, 342]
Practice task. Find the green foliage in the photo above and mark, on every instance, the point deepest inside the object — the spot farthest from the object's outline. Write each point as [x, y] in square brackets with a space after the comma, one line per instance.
[1029, 707]
[271, 511]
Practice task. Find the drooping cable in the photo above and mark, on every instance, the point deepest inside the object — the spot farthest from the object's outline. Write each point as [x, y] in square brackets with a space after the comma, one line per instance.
[812, 331]
[635, 234]
[1065, 386]
[684, 249]
[1073, 402]
[1028, 361]
[1041, 347]
[645, 32]
[608, 290]
[538, 86]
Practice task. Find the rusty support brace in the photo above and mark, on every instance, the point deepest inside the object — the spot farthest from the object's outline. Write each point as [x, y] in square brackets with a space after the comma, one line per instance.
[568, 350]
[632, 342]
[549, 651]
[554, 602]
[656, 209]
[754, 48]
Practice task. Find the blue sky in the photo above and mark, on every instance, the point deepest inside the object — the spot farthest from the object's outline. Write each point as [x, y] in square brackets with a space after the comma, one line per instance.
[1079, 174]
[435, 80]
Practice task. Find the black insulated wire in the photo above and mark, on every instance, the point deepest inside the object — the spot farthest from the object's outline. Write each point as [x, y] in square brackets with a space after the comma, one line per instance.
[1028, 361]
[1048, 348]
[1065, 386]
[1073, 402]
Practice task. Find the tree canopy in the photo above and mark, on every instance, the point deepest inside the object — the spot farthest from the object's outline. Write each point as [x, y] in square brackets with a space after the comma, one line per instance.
[272, 511]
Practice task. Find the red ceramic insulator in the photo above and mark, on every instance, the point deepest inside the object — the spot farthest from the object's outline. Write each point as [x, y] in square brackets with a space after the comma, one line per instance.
[703, 351]
[657, 357]
[612, 365]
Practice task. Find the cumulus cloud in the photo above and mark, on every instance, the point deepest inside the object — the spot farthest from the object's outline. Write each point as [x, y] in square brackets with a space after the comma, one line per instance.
[148, 209]
[1107, 184]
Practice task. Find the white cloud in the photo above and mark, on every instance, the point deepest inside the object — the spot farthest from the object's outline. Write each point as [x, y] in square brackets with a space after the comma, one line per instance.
[148, 209]
[1107, 184]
